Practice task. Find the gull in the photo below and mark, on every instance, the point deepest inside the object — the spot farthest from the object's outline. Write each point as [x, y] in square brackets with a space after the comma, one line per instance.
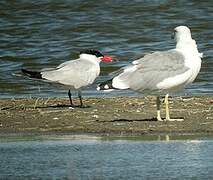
[75, 74]
[161, 72]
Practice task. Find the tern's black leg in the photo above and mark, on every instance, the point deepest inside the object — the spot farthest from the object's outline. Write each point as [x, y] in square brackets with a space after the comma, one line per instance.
[80, 98]
[70, 97]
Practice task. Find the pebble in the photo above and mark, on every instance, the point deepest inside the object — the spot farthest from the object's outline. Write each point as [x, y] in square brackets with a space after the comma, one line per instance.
[95, 116]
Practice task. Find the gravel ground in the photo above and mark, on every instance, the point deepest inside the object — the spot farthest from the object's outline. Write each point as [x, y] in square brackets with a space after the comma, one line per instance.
[120, 115]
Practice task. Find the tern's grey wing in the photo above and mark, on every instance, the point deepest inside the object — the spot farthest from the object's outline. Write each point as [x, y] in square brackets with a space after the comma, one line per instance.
[76, 73]
[58, 67]
[150, 70]
[65, 64]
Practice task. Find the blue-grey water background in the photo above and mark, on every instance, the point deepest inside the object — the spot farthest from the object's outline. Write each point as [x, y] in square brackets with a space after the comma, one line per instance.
[44, 33]
[62, 157]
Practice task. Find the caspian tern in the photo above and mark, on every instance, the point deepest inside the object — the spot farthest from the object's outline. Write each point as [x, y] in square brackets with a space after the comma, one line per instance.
[161, 72]
[74, 73]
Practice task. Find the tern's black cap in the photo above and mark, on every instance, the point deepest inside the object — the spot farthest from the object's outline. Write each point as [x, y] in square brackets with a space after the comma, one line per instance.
[92, 51]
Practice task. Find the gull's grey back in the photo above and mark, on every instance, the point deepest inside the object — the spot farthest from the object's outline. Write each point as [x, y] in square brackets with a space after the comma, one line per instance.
[152, 69]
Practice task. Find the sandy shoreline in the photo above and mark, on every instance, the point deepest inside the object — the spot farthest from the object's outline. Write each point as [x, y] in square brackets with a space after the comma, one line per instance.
[108, 116]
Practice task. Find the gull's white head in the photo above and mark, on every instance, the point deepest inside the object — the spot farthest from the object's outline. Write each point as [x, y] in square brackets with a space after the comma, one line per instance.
[182, 33]
[185, 43]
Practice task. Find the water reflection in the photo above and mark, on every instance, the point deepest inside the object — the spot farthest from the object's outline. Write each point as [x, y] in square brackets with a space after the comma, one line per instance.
[85, 158]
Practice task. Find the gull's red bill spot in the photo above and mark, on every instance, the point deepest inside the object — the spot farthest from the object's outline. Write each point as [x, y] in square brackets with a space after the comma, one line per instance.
[106, 58]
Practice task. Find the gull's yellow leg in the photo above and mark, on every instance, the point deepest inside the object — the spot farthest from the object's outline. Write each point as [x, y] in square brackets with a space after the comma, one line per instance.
[158, 108]
[166, 101]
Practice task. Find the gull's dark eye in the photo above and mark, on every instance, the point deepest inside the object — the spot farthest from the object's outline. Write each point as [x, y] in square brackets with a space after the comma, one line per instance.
[173, 34]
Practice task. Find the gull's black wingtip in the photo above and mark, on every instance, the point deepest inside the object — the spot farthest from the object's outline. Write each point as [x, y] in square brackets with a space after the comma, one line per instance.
[107, 85]
[32, 74]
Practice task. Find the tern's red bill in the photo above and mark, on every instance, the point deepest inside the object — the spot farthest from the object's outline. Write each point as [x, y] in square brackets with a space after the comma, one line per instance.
[106, 58]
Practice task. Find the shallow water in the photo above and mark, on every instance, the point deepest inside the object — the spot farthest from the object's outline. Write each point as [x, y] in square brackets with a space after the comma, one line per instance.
[92, 158]
[37, 34]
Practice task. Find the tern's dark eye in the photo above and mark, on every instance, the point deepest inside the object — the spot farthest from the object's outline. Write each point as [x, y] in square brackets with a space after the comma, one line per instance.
[97, 54]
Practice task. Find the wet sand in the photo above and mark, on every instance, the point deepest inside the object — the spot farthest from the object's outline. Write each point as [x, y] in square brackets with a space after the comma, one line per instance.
[106, 116]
